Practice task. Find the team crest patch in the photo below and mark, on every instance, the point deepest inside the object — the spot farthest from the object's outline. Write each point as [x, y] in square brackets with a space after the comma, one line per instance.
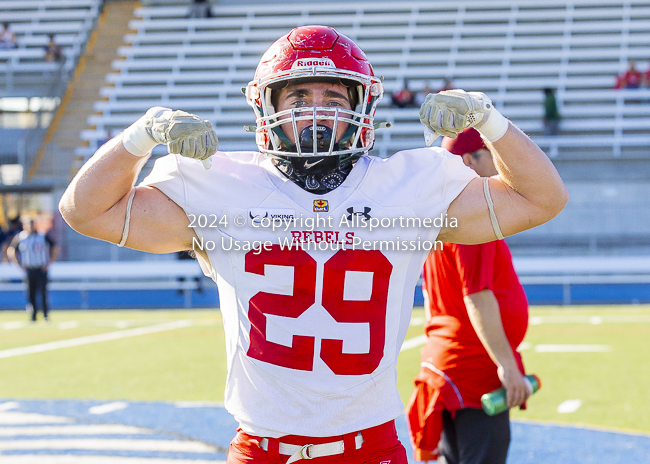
[321, 206]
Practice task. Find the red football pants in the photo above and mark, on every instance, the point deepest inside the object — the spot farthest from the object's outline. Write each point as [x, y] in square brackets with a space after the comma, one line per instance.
[380, 446]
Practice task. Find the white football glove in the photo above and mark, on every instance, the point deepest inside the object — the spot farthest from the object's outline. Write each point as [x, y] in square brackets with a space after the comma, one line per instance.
[450, 112]
[183, 133]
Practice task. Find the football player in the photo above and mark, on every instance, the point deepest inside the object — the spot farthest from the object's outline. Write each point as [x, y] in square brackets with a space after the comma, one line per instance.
[314, 312]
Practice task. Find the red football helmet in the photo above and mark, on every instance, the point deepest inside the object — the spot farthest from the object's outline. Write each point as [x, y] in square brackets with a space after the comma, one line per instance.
[320, 54]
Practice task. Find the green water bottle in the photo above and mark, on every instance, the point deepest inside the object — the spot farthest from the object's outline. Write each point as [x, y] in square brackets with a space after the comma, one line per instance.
[495, 401]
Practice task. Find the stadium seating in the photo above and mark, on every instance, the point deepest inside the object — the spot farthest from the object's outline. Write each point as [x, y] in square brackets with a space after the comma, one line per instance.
[510, 50]
[22, 69]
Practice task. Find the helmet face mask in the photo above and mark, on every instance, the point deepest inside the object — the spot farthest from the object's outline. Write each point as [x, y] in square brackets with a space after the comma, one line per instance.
[314, 54]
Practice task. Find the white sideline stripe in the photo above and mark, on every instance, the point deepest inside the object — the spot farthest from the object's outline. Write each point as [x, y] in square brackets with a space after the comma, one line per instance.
[68, 325]
[569, 406]
[56, 459]
[572, 348]
[108, 407]
[94, 338]
[108, 445]
[587, 319]
[413, 342]
[417, 321]
[14, 325]
[8, 405]
[523, 346]
[595, 320]
[108, 429]
[199, 404]
[24, 418]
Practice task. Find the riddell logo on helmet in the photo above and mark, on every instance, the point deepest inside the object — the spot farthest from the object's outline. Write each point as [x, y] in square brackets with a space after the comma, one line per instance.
[311, 62]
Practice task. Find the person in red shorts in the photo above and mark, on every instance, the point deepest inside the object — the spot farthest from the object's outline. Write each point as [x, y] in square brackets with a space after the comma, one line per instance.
[477, 315]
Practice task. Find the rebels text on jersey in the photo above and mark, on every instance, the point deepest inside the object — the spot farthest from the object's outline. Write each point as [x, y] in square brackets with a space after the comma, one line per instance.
[315, 309]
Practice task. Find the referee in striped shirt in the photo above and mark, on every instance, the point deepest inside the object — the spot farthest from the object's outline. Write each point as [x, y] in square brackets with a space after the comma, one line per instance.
[33, 251]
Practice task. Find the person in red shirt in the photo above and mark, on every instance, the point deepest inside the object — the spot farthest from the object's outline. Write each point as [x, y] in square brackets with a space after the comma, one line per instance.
[477, 315]
[404, 98]
[630, 79]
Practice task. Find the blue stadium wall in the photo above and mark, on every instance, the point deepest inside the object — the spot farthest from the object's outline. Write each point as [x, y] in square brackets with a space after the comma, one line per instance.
[209, 298]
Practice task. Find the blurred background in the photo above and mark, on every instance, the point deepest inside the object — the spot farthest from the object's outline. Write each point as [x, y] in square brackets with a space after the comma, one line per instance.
[574, 75]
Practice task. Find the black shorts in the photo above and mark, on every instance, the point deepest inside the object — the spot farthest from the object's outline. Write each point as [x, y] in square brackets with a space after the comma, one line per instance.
[473, 437]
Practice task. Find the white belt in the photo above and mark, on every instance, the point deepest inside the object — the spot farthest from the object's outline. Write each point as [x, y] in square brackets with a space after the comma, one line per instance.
[298, 452]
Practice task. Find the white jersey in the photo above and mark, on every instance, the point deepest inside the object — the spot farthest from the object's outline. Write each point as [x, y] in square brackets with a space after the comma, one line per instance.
[316, 311]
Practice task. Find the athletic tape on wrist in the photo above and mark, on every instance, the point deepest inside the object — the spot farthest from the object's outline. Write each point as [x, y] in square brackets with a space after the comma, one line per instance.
[136, 140]
[495, 127]
[127, 219]
[493, 216]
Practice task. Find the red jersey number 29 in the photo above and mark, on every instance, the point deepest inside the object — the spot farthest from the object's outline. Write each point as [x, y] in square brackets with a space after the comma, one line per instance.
[300, 355]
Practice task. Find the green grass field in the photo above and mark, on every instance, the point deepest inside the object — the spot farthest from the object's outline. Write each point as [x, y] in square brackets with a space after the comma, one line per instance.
[189, 363]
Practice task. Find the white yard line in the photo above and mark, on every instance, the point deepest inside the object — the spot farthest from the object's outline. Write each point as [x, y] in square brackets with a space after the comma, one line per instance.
[108, 429]
[108, 445]
[108, 407]
[413, 342]
[14, 325]
[572, 348]
[57, 459]
[23, 350]
[523, 346]
[68, 325]
[569, 406]
[591, 319]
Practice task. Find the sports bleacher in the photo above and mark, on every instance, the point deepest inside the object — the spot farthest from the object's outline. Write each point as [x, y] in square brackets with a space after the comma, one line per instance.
[23, 70]
[510, 50]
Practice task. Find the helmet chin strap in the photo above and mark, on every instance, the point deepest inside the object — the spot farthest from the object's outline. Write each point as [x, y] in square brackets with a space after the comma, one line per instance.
[317, 174]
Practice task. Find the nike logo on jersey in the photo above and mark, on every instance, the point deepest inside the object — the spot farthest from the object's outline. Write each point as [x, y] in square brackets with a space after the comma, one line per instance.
[309, 165]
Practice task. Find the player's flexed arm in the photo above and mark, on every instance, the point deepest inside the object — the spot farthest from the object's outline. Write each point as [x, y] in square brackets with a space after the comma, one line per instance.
[528, 190]
[95, 203]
